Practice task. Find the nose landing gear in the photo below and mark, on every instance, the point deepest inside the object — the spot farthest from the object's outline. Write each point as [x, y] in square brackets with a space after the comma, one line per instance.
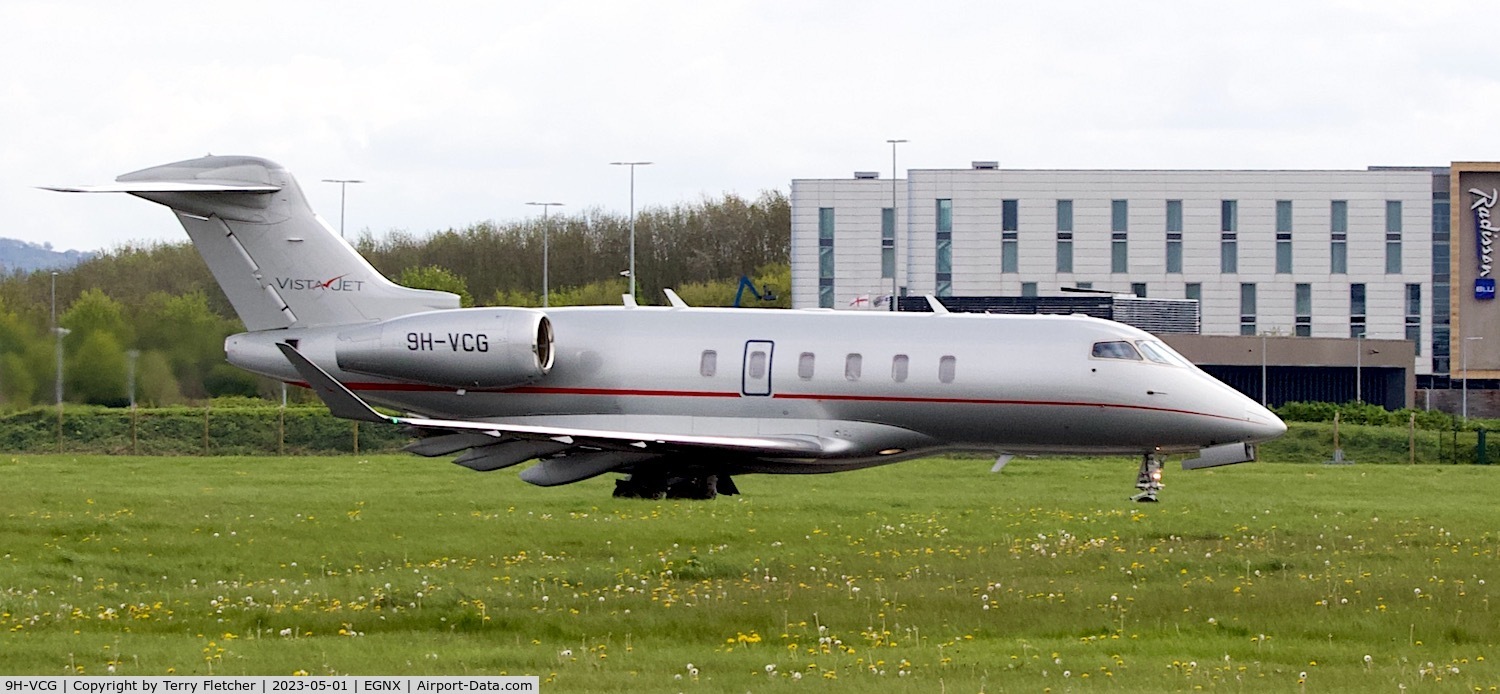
[1148, 479]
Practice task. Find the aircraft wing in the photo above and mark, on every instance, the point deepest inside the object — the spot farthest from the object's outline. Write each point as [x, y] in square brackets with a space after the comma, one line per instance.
[343, 403]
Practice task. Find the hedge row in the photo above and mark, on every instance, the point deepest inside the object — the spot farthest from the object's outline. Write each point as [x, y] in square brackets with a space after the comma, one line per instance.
[1374, 415]
[260, 430]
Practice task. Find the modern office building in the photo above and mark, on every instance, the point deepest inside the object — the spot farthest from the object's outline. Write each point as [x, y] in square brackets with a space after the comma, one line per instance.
[1329, 254]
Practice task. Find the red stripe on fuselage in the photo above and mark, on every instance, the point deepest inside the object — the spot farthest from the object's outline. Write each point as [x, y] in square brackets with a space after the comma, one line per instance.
[630, 392]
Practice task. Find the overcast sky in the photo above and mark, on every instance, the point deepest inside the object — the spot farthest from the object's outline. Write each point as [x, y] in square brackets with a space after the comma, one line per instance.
[460, 112]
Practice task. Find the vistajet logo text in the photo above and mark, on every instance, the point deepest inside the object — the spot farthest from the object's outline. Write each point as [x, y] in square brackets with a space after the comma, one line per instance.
[337, 284]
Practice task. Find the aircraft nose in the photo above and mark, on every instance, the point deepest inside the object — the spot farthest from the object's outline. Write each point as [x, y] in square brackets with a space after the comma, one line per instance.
[1262, 424]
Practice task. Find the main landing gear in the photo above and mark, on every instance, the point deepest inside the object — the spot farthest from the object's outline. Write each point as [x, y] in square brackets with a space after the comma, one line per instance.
[1148, 479]
[650, 486]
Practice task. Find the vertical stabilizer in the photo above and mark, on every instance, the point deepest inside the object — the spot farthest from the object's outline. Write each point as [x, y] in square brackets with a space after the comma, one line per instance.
[279, 263]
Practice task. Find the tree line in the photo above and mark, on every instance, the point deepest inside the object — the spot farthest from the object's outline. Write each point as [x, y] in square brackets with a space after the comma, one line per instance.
[151, 313]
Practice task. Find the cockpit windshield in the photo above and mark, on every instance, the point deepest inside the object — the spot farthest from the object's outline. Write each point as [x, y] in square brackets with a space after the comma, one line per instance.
[1118, 349]
[1160, 353]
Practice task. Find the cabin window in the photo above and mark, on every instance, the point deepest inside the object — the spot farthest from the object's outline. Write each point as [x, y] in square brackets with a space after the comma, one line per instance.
[757, 366]
[947, 366]
[1118, 349]
[900, 364]
[852, 364]
[708, 364]
[805, 366]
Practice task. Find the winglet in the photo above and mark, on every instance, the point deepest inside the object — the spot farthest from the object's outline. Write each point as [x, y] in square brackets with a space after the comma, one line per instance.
[341, 401]
[937, 306]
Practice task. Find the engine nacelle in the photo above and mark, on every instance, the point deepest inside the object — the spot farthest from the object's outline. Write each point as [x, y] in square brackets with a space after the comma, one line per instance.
[464, 348]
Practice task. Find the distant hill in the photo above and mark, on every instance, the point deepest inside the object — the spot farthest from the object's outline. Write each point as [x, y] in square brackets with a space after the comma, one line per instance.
[22, 257]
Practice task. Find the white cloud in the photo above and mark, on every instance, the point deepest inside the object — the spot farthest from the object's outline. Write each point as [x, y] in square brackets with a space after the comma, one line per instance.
[461, 111]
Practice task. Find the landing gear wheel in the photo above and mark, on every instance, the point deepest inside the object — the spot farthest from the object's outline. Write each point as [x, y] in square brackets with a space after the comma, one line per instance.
[640, 487]
[1148, 479]
[697, 488]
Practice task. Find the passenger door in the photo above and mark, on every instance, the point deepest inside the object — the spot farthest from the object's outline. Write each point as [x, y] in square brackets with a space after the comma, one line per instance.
[756, 376]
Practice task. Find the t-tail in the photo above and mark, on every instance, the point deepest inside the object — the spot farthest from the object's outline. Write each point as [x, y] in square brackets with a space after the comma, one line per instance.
[279, 263]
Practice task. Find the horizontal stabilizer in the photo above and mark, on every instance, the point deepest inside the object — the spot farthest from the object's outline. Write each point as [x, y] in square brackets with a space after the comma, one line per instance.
[166, 187]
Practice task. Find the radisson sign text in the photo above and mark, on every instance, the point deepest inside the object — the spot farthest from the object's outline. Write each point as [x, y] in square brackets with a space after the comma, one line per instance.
[1484, 234]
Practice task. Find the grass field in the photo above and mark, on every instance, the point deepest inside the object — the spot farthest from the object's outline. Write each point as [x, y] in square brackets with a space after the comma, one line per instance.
[930, 576]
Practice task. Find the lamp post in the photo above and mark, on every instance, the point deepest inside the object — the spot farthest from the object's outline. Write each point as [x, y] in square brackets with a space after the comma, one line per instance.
[132, 355]
[1359, 356]
[1262, 369]
[1465, 359]
[343, 187]
[546, 229]
[894, 174]
[632, 165]
[57, 334]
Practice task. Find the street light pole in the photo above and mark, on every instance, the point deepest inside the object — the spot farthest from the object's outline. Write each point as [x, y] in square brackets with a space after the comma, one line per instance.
[894, 255]
[632, 165]
[1465, 360]
[132, 355]
[546, 229]
[57, 335]
[1359, 357]
[343, 187]
[1262, 369]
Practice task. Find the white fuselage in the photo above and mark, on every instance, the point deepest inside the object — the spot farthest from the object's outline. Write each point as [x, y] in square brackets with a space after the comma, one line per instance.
[1017, 384]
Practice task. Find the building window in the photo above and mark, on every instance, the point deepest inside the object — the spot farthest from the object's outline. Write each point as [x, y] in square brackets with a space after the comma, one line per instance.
[1028, 289]
[900, 364]
[1303, 310]
[1174, 236]
[805, 366]
[1138, 289]
[825, 257]
[1393, 237]
[947, 369]
[1064, 235]
[1283, 237]
[1009, 236]
[1193, 290]
[852, 366]
[1119, 225]
[708, 364]
[887, 242]
[1441, 228]
[1247, 308]
[1356, 310]
[944, 265]
[1338, 234]
[1229, 251]
[1414, 315]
